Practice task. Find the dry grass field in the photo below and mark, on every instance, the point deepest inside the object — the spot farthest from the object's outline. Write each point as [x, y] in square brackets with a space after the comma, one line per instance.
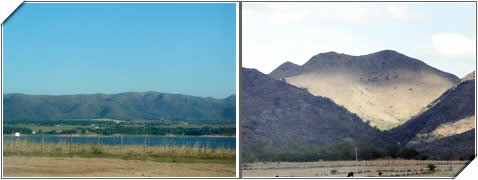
[21, 166]
[388, 168]
[126, 151]
[32, 159]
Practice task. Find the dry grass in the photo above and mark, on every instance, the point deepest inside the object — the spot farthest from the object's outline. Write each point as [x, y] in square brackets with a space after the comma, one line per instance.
[22, 166]
[388, 168]
[20, 147]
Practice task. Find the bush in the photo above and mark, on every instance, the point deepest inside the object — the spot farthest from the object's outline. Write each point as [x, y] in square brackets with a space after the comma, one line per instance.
[98, 150]
[392, 151]
[333, 171]
[368, 152]
[409, 153]
[431, 167]
[11, 130]
[423, 157]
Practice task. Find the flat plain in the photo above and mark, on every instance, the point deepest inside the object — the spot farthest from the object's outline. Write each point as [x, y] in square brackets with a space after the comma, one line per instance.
[21, 166]
[388, 168]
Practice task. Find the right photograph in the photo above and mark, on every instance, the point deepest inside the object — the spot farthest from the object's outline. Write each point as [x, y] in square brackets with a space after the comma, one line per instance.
[357, 89]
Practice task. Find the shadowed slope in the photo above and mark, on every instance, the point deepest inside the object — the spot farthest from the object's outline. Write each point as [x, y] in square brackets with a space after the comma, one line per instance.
[386, 88]
[448, 119]
[278, 116]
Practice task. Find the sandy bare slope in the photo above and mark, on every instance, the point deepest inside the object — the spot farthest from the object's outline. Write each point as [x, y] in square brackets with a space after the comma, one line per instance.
[19, 166]
[385, 88]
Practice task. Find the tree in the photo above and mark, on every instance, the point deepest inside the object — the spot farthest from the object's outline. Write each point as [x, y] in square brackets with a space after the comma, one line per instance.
[367, 152]
[431, 167]
[392, 151]
[409, 153]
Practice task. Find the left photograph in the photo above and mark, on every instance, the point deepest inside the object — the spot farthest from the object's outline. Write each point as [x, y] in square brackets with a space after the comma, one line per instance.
[120, 90]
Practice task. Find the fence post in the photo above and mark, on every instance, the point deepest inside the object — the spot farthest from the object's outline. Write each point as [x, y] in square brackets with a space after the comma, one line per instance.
[144, 145]
[41, 147]
[451, 168]
[121, 148]
[97, 140]
[70, 142]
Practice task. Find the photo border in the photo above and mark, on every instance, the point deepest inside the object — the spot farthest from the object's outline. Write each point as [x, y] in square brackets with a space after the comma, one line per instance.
[238, 55]
[238, 86]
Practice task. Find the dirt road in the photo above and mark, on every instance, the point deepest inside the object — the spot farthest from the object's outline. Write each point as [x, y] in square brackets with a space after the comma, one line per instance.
[19, 166]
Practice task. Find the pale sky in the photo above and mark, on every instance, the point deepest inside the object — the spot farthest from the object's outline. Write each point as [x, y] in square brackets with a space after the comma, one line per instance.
[440, 34]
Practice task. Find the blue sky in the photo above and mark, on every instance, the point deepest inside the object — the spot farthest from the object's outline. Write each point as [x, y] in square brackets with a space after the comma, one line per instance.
[69, 48]
[440, 34]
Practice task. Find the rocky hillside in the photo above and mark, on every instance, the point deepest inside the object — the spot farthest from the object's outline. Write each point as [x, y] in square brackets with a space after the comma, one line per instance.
[386, 88]
[449, 118]
[276, 116]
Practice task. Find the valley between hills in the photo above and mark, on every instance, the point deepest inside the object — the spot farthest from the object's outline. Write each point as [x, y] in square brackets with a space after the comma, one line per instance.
[384, 105]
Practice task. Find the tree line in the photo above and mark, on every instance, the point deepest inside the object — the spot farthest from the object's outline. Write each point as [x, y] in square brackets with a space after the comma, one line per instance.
[160, 131]
[342, 151]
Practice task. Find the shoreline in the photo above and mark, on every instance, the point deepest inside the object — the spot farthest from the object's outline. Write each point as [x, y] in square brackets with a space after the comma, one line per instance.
[116, 135]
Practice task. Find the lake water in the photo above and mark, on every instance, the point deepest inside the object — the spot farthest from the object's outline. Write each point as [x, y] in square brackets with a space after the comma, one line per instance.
[209, 142]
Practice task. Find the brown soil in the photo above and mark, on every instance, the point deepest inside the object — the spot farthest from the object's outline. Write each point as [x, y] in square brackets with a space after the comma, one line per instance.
[19, 166]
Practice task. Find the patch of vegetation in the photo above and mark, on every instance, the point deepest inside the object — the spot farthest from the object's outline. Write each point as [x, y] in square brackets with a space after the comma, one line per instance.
[11, 130]
[333, 171]
[392, 151]
[109, 129]
[182, 154]
[342, 151]
[409, 153]
[98, 150]
[431, 167]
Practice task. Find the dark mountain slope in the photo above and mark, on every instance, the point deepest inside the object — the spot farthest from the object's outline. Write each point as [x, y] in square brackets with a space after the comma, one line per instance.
[447, 121]
[460, 146]
[123, 106]
[278, 116]
[455, 104]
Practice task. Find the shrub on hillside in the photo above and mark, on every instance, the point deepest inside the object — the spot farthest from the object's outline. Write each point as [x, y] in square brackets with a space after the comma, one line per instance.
[409, 153]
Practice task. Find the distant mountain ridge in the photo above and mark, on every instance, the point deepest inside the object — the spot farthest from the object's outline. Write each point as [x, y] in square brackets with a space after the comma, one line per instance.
[122, 106]
[286, 69]
[376, 86]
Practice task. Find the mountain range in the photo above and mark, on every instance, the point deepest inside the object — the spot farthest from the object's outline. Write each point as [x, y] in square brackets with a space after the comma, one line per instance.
[378, 87]
[122, 106]
[335, 98]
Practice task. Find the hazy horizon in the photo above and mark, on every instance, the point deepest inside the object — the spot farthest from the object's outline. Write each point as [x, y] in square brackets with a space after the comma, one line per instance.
[125, 92]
